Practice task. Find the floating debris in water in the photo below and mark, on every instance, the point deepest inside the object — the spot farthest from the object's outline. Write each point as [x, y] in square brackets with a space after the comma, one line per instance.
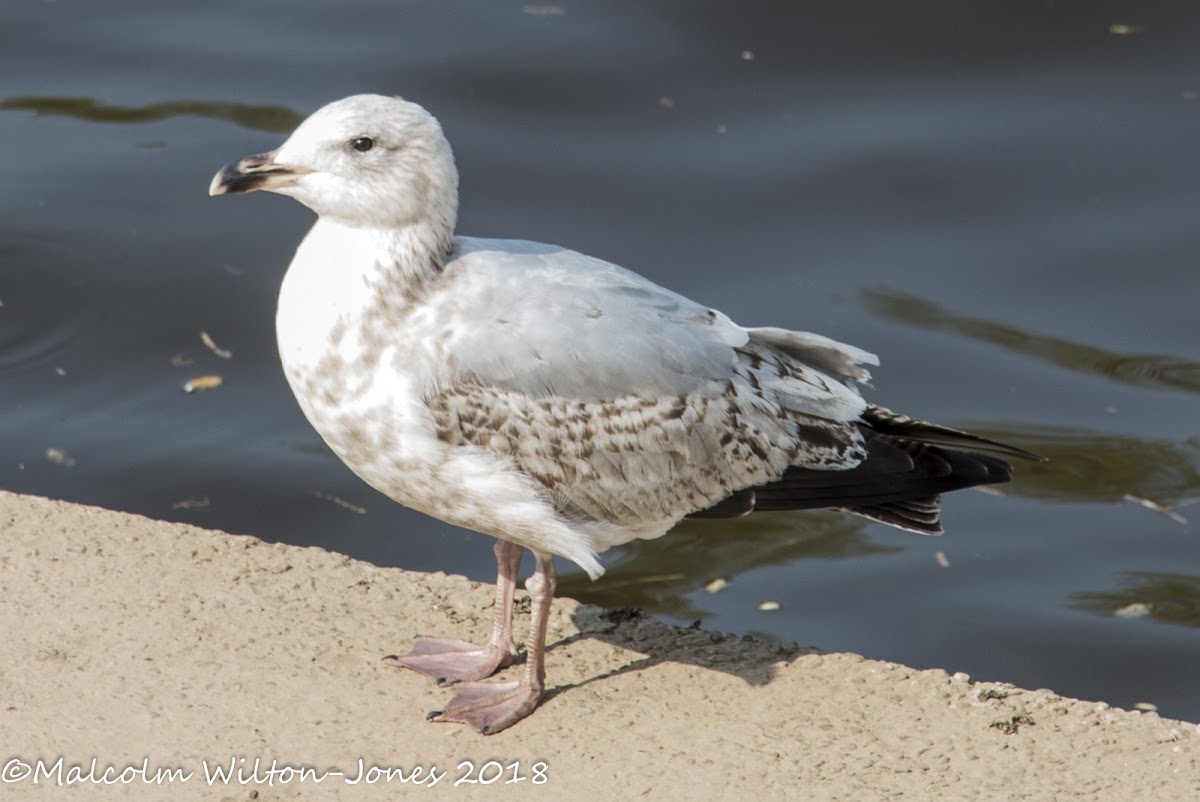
[1134, 610]
[942, 559]
[543, 11]
[60, 371]
[180, 361]
[341, 502]
[717, 585]
[769, 606]
[649, 580]
[666, 102]
[1165, 510]
[59, 456]
[193, 503]
[1122, 29]
[747, 55]
[202, 383]
[224, 353]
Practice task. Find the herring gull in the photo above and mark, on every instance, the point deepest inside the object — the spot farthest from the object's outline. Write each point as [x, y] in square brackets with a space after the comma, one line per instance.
[555, 401]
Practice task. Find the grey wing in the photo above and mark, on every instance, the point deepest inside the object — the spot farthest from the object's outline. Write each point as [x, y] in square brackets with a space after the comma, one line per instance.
[630, 403]
[548, 321]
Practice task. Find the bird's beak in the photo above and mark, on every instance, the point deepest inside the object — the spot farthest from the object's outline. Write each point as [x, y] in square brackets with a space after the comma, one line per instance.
[255, 172]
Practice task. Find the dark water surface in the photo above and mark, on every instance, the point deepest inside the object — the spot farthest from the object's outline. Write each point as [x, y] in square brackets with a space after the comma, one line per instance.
[1000, 199]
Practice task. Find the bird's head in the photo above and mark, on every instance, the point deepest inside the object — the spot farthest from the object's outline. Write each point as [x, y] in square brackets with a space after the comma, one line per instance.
[365, 160]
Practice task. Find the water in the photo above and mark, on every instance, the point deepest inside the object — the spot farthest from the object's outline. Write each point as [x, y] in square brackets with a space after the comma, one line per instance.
[998, 198]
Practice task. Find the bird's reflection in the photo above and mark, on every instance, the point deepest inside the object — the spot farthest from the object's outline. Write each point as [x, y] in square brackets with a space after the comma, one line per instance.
[658, 575]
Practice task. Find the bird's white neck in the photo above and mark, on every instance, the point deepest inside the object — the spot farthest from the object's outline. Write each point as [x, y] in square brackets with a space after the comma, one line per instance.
[394, 264]
[342, 276]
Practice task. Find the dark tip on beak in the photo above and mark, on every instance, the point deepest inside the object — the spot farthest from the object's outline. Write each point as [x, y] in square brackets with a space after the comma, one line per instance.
[251, 173]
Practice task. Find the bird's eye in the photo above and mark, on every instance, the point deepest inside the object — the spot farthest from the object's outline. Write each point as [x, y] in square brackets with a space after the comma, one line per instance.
[362, 144]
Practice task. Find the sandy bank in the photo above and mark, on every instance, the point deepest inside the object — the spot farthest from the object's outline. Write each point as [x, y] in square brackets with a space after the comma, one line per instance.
[138, 642]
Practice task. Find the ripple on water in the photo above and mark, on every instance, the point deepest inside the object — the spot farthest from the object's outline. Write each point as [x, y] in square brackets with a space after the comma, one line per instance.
[1139, 370]
[1163, 371]
[47, 306]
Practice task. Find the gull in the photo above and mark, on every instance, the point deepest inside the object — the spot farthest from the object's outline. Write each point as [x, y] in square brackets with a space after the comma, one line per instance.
[555, 401]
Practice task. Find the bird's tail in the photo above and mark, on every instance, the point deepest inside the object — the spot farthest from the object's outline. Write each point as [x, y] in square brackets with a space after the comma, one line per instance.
[909, 464]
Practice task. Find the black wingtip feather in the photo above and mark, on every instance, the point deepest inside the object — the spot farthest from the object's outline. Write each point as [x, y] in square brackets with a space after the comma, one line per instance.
[920, 515]
[884, 421]
[909, 465]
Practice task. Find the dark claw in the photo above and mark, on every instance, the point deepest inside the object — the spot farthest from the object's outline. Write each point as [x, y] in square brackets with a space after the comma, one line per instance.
[432, 714]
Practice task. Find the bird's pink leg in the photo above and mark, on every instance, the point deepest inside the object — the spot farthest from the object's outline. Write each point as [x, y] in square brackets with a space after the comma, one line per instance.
[448, 661]
[492, 706]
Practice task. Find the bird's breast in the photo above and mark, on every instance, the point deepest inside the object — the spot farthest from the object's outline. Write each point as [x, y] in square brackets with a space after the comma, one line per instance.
[359, 377]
